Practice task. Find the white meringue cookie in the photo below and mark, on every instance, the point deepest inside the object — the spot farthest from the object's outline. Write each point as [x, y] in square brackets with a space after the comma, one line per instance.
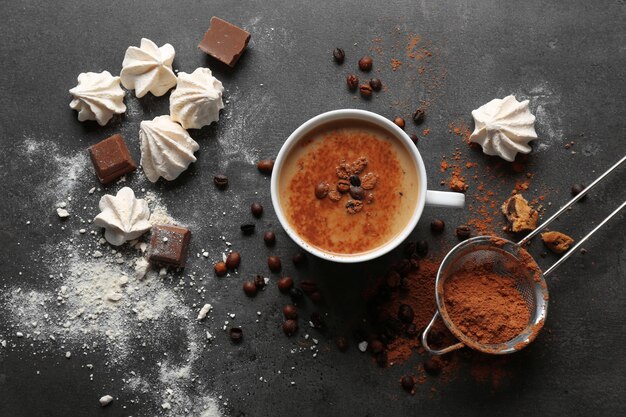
[197, 100]
[124, 217]
[148, 68]
[166, 148]
[98, 96]
[504, 127]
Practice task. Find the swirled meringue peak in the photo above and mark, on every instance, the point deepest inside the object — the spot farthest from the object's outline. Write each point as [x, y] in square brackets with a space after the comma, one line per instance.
[98, 96]
[166, 148]
[504, 127]
[123, 216]
[197, 100]
[148, 68]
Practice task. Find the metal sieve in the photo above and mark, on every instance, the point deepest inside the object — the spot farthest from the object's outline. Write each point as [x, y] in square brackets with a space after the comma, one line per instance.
[508, 259]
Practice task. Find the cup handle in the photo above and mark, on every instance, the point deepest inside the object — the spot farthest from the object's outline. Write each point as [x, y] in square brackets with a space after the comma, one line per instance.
[445, 199]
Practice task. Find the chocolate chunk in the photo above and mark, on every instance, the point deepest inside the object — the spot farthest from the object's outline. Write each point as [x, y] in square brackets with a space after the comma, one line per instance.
[111, 159]
[224, 41]
[168, 246]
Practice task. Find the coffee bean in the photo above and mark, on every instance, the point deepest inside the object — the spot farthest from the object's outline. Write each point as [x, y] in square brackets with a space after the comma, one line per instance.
[343, 186]
[432, 366]
[249, 287]
[382, 359]
[393, 279]
[236, 334]
[290, 312]
[414, 138]
[376, 84]
[365, 90]
[355, 180]
[403, 266]
[290, 327]
[316, 320]
[285, 284]
[399, 121]
[437, 226]
[463, 232]
[220, 269]
[247, 228]
[296, 293]
[266, 166]
[309, 287]
[274, 263]
[409, 248]
[352, 81]
[421, 247]
[376, 346]
[220, 181]
[299, 259]
[339, 55]
[418, 116]
[233, 260]
[408, 383]
[269, 238]
[577, 189]
[405, 313]
[365, 63]
[256, 209]
[321, 190]
[357, 193]
[342, 343]
[259, 282]
[316, 297]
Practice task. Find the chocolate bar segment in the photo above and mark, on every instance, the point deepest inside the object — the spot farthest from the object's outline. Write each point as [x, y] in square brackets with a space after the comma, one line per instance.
[168, 246]
[111, 159]
[224, 41]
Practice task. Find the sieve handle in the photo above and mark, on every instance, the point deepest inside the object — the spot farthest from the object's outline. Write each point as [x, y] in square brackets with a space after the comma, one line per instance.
[573, 249]
[437, 351]
[570, 203]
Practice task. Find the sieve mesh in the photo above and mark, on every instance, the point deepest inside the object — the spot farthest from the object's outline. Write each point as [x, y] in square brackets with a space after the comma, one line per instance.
[507, 260]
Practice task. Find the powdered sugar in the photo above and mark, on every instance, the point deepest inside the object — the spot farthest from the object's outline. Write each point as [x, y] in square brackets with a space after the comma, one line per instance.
[92, 301]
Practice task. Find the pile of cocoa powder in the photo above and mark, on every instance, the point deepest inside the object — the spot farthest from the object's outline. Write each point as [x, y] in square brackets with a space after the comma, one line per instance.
[485, 305]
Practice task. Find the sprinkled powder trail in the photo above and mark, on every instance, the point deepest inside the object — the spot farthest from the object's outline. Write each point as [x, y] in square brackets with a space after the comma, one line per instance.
[91, 301]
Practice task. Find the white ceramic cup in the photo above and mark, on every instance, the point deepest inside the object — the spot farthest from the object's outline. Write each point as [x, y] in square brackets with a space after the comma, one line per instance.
[425, 197]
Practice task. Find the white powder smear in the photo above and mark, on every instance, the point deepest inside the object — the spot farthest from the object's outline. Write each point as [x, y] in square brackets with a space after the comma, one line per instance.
[89, 301]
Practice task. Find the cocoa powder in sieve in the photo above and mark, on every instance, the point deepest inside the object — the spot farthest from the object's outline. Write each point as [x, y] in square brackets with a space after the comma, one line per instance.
[484, 305]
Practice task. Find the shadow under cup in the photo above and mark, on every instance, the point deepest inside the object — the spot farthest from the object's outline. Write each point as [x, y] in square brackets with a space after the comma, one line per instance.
[352, 134]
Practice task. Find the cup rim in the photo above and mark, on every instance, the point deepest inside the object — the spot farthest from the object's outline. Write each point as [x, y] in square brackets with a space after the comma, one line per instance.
[350, 114]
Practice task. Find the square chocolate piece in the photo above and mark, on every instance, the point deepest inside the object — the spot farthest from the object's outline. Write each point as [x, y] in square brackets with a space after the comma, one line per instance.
[168, 246]
[111, 159]
[224, 41]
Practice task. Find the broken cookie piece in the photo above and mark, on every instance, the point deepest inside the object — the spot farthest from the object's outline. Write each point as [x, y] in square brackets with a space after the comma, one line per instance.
[557, 242]
[520, 214]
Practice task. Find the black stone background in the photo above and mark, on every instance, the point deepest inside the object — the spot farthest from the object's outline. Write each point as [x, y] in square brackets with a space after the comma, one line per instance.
[567, 57]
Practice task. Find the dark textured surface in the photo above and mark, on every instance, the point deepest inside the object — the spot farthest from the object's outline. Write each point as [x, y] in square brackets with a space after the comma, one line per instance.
[567, 58]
